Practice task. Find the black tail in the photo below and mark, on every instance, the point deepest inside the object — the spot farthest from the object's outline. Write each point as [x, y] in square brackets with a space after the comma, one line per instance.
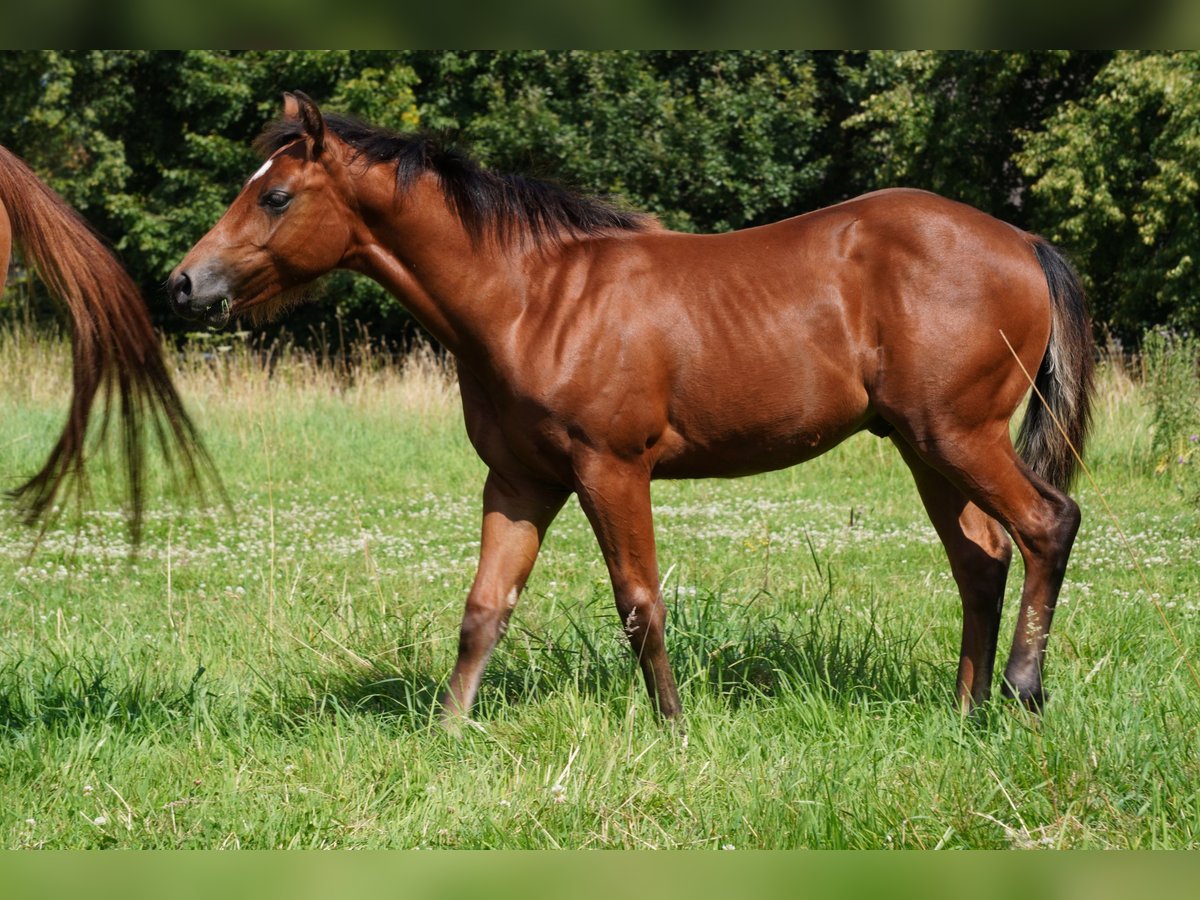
[1052, 435]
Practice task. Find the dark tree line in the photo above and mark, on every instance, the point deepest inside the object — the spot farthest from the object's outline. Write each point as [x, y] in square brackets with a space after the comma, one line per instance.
[1095, 150]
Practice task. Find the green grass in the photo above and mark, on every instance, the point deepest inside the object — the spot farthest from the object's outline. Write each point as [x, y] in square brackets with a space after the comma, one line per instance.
[268, 678]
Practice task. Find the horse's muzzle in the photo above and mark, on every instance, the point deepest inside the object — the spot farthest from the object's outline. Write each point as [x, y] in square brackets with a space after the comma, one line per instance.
[212, 311]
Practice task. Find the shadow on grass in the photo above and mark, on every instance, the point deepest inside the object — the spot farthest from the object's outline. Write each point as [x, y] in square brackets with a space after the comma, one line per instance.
[64, 695]
[730, 651]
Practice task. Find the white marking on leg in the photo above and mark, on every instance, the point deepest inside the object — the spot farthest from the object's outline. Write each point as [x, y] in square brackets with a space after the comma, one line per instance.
[631, 622]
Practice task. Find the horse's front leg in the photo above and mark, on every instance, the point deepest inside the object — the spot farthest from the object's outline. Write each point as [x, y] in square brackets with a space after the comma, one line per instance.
[615, 495]
[516, 514]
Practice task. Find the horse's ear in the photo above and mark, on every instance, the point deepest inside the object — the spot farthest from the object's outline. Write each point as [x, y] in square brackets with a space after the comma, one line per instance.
[298, 105]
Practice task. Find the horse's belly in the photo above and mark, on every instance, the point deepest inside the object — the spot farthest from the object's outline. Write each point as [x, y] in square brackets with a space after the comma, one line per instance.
[749, 450]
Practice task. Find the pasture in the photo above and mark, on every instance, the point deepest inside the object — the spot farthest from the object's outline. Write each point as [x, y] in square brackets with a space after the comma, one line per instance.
[267, 675]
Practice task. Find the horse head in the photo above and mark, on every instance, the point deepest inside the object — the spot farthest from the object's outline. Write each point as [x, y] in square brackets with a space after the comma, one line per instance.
[288, 226]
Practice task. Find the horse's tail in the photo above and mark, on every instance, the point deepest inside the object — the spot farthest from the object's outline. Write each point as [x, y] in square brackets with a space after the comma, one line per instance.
[1056, 421]
[113, 345]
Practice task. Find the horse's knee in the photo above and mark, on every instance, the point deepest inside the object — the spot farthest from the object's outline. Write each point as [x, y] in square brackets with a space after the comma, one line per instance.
[484, 622]
[642, 612]
[1070, 518]
[1064, 527]
[1048, 534]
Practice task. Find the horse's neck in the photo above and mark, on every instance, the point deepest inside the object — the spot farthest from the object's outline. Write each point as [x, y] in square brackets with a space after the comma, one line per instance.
[461, 291]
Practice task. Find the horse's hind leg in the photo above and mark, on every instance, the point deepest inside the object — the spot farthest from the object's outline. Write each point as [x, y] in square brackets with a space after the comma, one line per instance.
[1041, 519]
[979, 552]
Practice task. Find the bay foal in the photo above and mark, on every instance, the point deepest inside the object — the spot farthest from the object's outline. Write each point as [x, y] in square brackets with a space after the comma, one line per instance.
[597, 351]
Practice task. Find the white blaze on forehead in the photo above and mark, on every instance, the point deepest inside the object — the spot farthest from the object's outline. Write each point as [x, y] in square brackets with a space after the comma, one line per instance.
[262, 170]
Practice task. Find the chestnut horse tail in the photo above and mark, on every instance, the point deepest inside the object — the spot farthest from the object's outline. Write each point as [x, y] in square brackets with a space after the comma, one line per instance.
[1051, 440]
[114, 350]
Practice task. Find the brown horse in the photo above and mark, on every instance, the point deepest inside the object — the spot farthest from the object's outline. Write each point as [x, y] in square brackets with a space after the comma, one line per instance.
[114, 347]
[597, 351]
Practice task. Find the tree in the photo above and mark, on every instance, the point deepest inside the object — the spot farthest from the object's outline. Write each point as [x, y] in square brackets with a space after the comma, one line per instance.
[151, 146]
[708, 141]
[1096, 150]
[952, 122]
[1114, 179]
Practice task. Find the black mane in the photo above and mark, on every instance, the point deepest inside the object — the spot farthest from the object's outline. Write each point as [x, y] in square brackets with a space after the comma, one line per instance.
[486, 202]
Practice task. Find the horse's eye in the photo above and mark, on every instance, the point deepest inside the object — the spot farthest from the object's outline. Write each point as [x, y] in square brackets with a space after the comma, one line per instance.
[276, 201]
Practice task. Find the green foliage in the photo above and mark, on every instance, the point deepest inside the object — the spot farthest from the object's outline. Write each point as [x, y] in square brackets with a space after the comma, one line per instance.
[708, 141]
[151, 147]
[1095, 150]
[951, 122]
[1173, 384]
[1114, 176]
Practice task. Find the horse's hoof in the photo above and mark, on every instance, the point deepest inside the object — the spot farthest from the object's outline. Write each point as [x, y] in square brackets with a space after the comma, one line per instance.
[1032, 697]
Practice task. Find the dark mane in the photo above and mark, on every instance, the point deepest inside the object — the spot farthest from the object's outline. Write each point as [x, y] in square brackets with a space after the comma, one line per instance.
[488, 203]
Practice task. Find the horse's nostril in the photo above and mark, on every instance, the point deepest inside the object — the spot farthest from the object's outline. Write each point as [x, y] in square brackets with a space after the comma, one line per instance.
[180, 292]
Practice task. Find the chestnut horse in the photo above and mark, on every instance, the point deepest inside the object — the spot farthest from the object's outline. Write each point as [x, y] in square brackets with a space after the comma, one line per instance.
[114, 347]
[597, 351]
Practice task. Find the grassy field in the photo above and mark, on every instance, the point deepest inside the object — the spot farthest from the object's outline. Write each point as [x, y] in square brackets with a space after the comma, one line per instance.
[267, 676]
